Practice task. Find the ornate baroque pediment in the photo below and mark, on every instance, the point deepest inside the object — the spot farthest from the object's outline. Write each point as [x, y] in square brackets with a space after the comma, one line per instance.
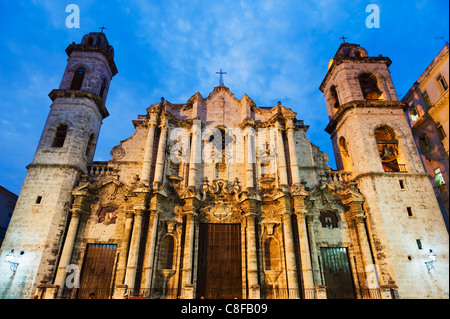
[222, 212]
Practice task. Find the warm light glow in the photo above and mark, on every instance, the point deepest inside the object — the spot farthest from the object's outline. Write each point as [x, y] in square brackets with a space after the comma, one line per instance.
[330, 63]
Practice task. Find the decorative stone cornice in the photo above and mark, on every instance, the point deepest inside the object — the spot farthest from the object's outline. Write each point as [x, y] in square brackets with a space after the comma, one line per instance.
[338, 61]
[343, 109]
[58, 93]
[107, 52]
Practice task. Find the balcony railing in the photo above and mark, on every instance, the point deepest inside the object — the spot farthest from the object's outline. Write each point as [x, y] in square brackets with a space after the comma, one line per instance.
[339, 176]
[388, 167]
[101, 168]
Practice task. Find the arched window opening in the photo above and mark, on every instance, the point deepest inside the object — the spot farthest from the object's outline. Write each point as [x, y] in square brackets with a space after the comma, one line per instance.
[343, 147]
[271, 254]
[334, 97]
[102, 89]
[328, 220]
[60, 136]
[90, 144]
[91, 41]
[369, 86]
[359, 54]
[388, 149]
[167, 252]
[77, 80]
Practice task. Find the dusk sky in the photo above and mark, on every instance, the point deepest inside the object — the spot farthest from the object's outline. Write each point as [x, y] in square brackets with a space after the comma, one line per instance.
[272, 50]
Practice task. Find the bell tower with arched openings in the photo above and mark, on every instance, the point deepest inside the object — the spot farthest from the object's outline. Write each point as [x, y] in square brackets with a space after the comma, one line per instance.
[373, 142]
[64, 153]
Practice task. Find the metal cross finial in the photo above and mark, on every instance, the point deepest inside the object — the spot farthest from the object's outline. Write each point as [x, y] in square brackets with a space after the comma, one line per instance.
[221, 77]
[102, 28]
[343, 39]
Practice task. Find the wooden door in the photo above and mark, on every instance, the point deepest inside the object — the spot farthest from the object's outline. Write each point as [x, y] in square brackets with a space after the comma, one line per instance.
[337, 273]
[96, 274]
[219, 271]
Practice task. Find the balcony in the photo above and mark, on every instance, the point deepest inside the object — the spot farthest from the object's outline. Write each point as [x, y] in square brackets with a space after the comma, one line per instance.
[394, 167]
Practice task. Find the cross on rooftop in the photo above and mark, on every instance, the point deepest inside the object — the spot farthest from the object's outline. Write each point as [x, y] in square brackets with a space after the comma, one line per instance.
[102, 28]
[343, 38]
[221, 78]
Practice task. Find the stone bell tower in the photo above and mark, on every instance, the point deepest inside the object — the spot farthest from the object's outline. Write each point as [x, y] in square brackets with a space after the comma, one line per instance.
[372, 140]
[65, 150]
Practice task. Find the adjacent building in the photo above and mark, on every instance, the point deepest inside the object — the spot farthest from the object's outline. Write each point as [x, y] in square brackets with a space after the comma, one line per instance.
[7, 203]
[428, 111]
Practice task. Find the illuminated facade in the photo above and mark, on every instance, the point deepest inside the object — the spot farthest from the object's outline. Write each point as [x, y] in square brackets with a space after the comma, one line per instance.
[220, 198]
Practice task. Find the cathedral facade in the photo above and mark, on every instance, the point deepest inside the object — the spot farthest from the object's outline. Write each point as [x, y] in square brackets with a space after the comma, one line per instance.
[220, 198]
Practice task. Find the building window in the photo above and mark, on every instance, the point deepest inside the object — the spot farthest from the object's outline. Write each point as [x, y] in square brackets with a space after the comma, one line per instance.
[77, 80]
[426, 99]
[402, 184]
[102, 89]
[419, 243]
[328, 220]
[409, 211]
[369, 86]
[442, 83]
[388, 149]
[60, 136]
[38, 199]
[413, 113]
[441, 132]
[438, 178]
[271, 254]
[167, 252]
[425, 144]
[334, 97]
[89, 144]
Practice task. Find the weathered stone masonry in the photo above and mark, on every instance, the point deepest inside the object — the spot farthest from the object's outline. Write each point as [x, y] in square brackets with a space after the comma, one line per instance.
[218, 197]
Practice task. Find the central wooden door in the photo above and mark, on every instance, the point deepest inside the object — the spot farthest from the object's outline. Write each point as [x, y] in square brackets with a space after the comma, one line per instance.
[96, 274]
[219, 270]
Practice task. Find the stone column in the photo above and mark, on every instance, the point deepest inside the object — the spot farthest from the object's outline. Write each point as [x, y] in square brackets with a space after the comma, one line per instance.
[252, 262]
[147, 268]
[188, 249]
[67, 250]
[364, 242]
[251, 159]
[356, 214]
[291, 268]
[133, 254]
[305, 255]
[146, 167]
[282, 170]
[123, 256]
[292, 154]
[196, 152]
[372, 279]
[315, 260]
[159, 166]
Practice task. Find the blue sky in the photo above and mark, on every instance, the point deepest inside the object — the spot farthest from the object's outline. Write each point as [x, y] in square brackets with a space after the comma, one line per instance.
[273, 50]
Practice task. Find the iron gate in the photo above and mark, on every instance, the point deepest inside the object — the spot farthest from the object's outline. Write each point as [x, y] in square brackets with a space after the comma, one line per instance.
[337, 273]
[219, 271]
